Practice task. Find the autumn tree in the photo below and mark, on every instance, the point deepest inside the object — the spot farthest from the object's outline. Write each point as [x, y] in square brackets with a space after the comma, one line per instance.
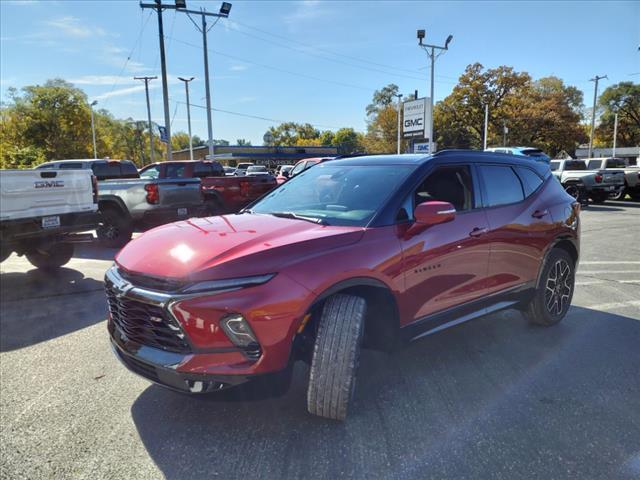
[623, 98]
[382, 121]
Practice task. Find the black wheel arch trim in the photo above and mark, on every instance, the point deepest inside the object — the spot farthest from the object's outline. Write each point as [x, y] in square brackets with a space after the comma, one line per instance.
[110, 200]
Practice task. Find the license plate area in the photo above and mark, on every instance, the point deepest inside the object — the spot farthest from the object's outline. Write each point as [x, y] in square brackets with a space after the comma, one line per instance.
[51, 222]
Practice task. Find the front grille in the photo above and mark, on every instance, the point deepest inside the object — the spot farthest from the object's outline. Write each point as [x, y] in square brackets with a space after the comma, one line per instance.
[146, 324]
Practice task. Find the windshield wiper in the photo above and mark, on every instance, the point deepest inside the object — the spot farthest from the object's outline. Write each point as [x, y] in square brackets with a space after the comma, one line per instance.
[295, 216]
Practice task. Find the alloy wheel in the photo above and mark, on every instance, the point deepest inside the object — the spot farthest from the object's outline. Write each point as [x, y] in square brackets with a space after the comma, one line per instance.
[558, 287]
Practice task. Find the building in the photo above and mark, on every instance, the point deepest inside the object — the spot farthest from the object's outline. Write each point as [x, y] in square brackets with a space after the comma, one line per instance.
[270, 156]
[630, 153]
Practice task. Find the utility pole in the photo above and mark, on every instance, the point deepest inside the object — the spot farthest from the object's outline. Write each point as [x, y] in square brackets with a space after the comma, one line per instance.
[615, 133]
[93, 129]
[431, 52]
[186, 88]
[505, 130]
[399, 115]
[596, 79]
[225, 8]
[146, 89]
[486, 125]
[158, 6]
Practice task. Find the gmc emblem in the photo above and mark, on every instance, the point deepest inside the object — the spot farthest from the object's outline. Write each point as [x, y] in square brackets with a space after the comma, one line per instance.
[49, 184]
[413, 122]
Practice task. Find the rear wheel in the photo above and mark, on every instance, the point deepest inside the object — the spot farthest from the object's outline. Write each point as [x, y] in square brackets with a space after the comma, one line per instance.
[572, 189]
[619, 195]
[115, 228]
[50, 257]
[336, 352]
[552, 298]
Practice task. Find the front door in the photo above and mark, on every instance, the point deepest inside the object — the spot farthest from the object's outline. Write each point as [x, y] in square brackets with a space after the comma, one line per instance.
[445, 265]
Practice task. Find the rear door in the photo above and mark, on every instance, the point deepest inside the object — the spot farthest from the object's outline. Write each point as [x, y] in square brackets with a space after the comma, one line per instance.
[519, 224]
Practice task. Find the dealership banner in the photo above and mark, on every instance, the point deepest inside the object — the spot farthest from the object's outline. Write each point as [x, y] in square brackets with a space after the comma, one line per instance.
[416, 115]
[424, 148]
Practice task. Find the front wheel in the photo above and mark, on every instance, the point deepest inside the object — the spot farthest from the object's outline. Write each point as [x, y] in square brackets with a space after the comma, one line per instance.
[332, 377]
[552, 298]
[50, 257]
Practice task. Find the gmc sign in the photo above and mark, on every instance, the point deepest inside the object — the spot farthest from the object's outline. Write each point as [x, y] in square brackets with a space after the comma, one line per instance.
[415, 118]
[49, 184]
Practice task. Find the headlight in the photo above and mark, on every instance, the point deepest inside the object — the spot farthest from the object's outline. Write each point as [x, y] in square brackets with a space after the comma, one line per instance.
[227, 284]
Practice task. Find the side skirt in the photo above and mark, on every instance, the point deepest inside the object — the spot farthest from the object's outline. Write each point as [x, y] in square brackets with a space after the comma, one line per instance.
[435, 322]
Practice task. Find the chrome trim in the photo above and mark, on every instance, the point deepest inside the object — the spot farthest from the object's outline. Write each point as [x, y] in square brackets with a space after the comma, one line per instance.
[446, 212]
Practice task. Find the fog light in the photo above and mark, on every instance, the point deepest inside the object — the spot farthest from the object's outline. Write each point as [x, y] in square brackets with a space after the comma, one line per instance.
[238, 330]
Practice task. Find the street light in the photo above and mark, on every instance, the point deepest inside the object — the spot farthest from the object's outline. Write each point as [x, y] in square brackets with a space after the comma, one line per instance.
[93, 129]
[596, 79]
[186, 87]
[431, 52]
[399, 95]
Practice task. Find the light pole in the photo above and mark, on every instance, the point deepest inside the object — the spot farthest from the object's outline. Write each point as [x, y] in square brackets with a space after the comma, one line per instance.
[486, 125]
[93, 129]
[225, 8]
[596, 79]
[399, 115]
[615, 133]
[146, 89]
[431, 52]
[186, 88]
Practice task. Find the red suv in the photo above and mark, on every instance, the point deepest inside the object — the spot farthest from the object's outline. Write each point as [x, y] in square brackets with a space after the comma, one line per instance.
[362, 252]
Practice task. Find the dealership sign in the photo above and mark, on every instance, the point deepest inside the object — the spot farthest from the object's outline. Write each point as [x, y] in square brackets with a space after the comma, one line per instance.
[423, 148]
[415, 116]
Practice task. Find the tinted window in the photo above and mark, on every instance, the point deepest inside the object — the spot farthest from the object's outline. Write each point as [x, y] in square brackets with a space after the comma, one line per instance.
[554, 166]
[593, 164]
[615, 163]
[175, 170]
[298, 168]
[202, 170]
[105, 170]
[447, 184]
[71, 165]
[129, 170]
[530, 180]
[575, 165]
[502, 186]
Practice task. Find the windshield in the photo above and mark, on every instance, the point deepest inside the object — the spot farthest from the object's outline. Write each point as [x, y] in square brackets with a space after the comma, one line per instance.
[335, 194]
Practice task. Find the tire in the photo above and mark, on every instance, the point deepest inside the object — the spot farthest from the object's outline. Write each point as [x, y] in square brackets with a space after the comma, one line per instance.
[572, 189]
[618, 195]
[599, 198]
[50, 257]
[213, 207]
[550, 305]
[332, 376]
[115, 228]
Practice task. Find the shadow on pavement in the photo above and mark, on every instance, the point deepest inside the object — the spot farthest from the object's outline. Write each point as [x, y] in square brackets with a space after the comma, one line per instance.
[94, 251]
[493, 398]
[36, 306]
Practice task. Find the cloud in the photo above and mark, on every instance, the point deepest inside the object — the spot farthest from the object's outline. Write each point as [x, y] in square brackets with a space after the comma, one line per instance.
[123, 91]
[306, 10]
[118, 57]
[74, 27]
[247, 99]
[239, 68]
[102, 80]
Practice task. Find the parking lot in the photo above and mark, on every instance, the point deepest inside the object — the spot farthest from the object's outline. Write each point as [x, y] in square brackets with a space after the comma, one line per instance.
[493, 398]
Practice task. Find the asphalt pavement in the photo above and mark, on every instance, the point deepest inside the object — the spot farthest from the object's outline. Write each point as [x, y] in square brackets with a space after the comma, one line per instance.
[493, 398]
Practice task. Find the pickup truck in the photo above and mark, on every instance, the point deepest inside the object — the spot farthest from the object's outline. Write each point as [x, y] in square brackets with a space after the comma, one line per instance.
[127, 201]
[579, 181]
[43, 212]
[222, 193]
[631, 175]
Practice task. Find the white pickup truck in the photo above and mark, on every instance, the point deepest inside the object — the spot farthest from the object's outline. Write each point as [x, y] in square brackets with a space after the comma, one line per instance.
[43, 211]
[579, 181]
[631, 175]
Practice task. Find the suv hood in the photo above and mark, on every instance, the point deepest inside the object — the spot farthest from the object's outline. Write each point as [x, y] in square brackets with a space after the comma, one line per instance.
[229, 246]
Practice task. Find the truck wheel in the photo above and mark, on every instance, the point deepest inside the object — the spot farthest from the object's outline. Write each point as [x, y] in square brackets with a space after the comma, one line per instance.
[573, 190]
[115, 229]
[552, 298]
[213, 207]
[599, 198]
[336, 351]
[619, 195]
[50, 257]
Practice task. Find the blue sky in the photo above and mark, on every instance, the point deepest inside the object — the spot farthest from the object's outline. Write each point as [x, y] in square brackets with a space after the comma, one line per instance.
[316, 62]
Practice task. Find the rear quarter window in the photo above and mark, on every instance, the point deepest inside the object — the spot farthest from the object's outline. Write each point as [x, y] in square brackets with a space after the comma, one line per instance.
[106, 170]
[530, 180]
[128, 170]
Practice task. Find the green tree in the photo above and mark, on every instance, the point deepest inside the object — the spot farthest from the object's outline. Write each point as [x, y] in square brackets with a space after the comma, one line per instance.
[241, 142]
[180, 141]
[292, 133]
[623, 98]
[348, 141]
[382, 121]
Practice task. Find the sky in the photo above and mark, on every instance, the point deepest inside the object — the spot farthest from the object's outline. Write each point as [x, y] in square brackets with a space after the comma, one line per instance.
[308, 61]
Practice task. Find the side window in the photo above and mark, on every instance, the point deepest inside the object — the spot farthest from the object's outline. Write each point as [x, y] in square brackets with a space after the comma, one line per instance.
[151, 172]
[175, 170]
[593, 164]
[501, 185]
[530, 180]
[554, 166]
[448, 184]
[298, 168]
[104, 170]
[202, 170]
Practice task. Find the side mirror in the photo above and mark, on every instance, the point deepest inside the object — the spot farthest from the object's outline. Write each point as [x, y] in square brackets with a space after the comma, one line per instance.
[431, 213]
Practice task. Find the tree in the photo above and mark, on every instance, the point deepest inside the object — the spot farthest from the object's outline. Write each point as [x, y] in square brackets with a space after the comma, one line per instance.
[180, 141]
[623, 98]
[348, 141]
[382, 121]
[241, 142]
[291, 133]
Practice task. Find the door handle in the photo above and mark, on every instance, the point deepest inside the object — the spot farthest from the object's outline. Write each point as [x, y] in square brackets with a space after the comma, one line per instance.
[476, 232]
[540, 213]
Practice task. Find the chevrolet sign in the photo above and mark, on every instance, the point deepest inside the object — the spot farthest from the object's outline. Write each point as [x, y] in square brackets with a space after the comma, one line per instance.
[415, 118]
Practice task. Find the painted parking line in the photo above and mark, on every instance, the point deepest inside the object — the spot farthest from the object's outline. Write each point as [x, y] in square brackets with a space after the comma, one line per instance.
[597, 272]
[614, 305]
[621, 262]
